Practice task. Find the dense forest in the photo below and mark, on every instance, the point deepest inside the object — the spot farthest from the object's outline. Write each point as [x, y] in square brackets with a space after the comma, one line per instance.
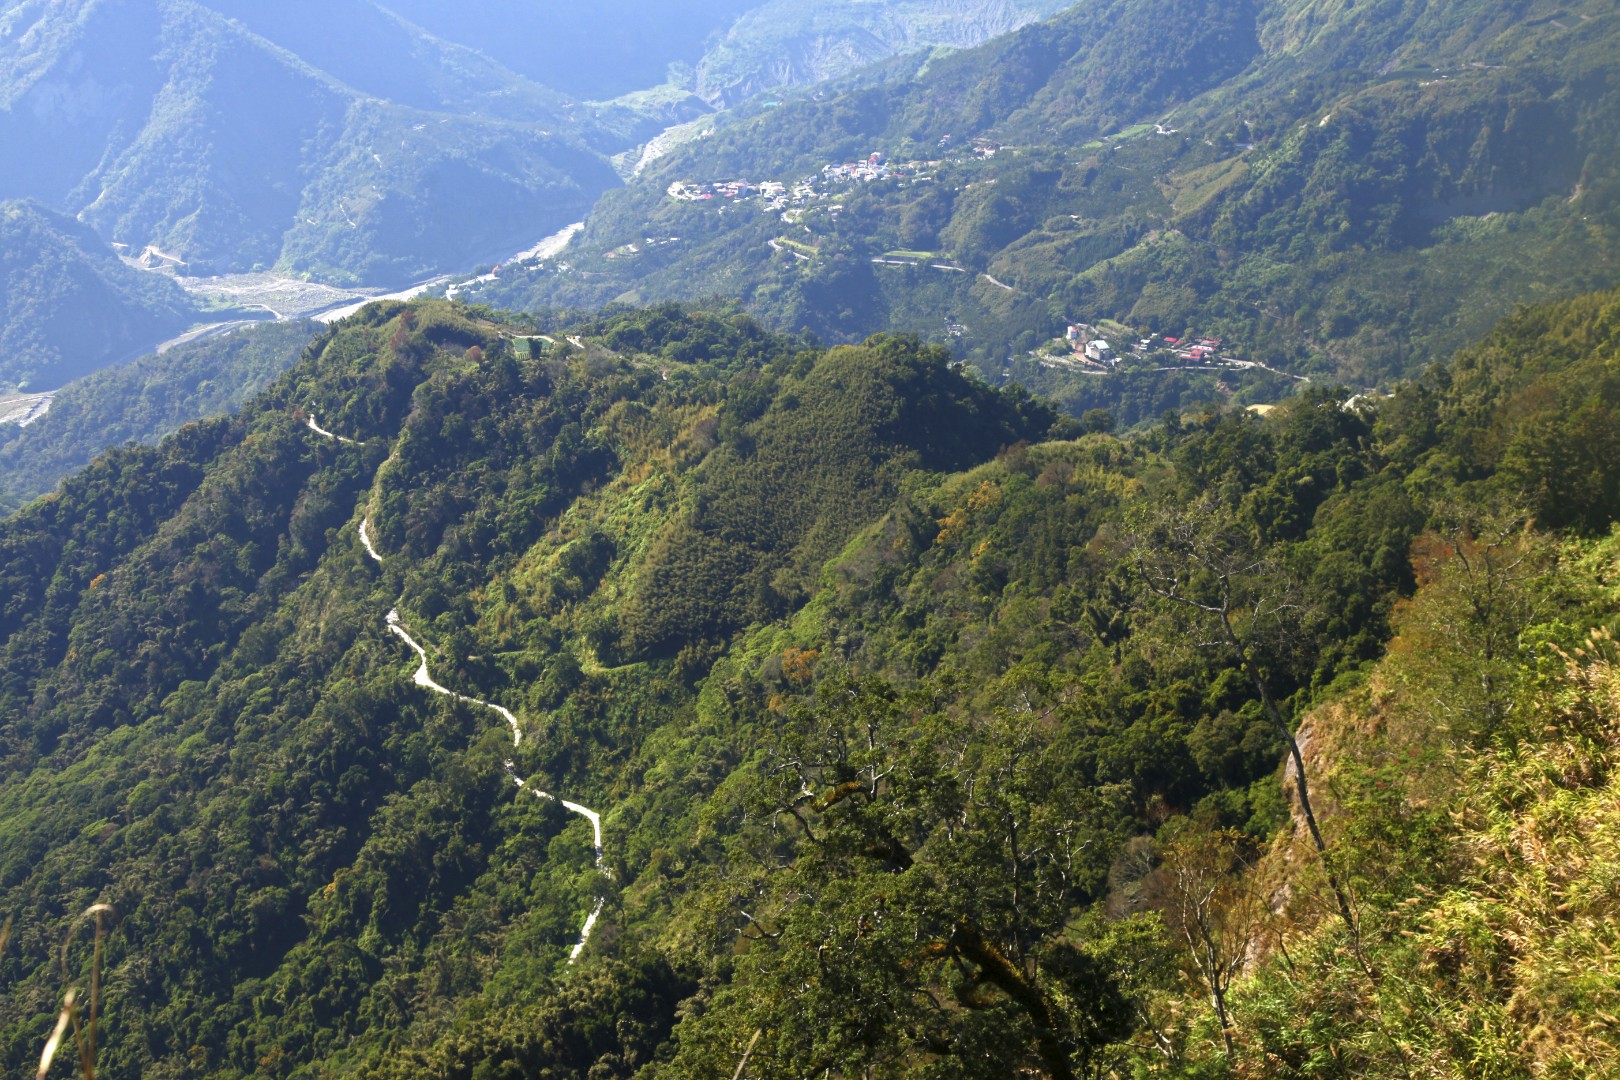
[931, 732]
[1348, 191]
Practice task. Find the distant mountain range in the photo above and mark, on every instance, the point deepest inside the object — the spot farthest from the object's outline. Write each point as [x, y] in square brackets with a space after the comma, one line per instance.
[783, 43]
[355, 141]
[1341, 190]
[731, 48]
[344, 141]
[335, 140]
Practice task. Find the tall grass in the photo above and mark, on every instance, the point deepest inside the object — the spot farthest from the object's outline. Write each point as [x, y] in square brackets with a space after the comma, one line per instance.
[73, 1017]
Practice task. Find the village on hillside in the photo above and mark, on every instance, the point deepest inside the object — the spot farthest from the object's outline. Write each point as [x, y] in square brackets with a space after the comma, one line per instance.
[791, 199]
[1087, 348]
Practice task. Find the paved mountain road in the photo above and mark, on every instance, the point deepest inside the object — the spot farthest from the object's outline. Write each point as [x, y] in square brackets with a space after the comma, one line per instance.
[424, 678]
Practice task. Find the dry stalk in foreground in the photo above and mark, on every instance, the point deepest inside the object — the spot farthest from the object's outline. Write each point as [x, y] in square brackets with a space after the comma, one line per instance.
[84, 1033]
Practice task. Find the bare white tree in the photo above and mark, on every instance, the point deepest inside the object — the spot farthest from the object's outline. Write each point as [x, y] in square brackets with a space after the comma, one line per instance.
[1197, 559]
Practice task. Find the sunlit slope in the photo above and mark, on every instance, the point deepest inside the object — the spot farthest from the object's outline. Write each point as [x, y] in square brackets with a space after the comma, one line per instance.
[856, 660]
[1344, 190]
[248, 623]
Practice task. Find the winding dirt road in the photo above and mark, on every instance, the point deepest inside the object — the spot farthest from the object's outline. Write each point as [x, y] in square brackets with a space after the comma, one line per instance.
[424, 678]
[365, 541]
[317, 429]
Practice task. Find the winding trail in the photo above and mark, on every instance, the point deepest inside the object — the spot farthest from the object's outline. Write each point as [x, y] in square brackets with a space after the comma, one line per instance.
[317, 429]
[365, 541]
[424, 678]
[777, 246]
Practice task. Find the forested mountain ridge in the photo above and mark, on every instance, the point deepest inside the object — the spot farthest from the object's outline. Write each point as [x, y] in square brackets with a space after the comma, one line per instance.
[69, 306]
[901, 740]
[1352, 191]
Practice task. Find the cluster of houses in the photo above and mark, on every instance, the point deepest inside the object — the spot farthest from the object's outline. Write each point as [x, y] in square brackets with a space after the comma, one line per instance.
[875, 167]
[1195, 350]
[724, 189]
[778, 197]
[1095, 348]
[774, 195]
[1090, 346]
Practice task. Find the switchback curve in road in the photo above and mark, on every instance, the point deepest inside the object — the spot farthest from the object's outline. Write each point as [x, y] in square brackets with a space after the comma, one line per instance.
[423, 677]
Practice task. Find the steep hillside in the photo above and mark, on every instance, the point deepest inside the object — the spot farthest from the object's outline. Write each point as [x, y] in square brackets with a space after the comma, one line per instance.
[724, 51]
[660, 696]
[143, 402]
[531, 440]
[224, 135]
[787, 43]
[594, 52]
[1344, 190]
[69, 306]
[1476, 828]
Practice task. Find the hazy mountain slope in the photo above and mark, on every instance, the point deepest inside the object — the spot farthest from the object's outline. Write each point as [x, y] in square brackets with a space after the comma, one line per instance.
[593, 52]
[1334, 189]
[798, 42]
[69, 306]
[727, 50]
[142, 402]
[369, 48]
[179, 127]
